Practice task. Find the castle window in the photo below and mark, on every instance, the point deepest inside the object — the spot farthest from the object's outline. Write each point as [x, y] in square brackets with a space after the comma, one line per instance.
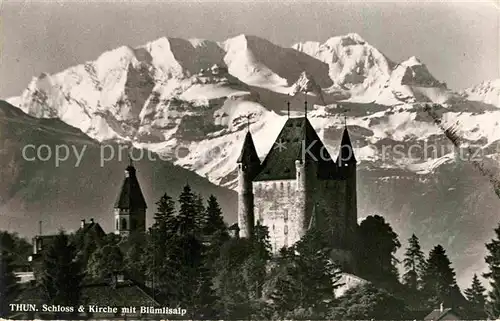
[285, 214]
[124, 224]
[117, 224]
[286, 230]
[281, 186]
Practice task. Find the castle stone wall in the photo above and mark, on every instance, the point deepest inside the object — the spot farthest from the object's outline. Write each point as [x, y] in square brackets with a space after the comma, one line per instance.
[275, 207]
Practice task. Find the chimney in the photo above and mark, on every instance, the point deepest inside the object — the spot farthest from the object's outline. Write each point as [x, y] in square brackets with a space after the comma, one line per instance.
[82, 224]
[92, 221]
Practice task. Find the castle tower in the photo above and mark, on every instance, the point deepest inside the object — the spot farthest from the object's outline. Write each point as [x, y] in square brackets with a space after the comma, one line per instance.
[248, 166]
[130, 207]
[346, 162]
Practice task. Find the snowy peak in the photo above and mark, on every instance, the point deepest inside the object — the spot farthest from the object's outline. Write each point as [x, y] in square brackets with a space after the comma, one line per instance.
[174, 57]
[412, 61]
[261, 63]
[353, 63]
[306, 84]
[487, 92]
[413, 72]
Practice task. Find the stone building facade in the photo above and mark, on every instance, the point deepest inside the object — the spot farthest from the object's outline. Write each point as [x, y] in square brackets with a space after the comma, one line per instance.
[298, 186]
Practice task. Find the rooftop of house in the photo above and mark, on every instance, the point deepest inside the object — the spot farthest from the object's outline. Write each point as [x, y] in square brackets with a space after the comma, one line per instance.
[439, 314]
[91, 227]
[121, 294]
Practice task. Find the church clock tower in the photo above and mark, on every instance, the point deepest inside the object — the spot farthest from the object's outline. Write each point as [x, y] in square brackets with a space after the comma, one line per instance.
[130, 207]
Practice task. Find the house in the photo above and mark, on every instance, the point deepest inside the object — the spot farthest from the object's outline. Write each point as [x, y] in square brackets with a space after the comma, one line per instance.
[442, 314]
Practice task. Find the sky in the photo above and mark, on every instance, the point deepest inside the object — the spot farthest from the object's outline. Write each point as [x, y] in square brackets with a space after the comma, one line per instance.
[458, 41]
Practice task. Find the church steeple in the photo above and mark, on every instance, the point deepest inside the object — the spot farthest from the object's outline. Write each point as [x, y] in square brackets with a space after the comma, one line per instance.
[130, 206]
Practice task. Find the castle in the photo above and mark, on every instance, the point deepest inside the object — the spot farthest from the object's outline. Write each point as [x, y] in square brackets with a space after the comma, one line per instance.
[298, 186]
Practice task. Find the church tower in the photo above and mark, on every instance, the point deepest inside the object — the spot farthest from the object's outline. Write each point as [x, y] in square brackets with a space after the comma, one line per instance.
[248, 167]
[130, 207]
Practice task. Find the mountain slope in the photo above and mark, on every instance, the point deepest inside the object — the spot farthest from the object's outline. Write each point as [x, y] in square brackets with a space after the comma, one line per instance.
[487, 92]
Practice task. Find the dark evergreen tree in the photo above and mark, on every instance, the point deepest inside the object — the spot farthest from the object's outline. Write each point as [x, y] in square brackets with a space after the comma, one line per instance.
[493, 276]
[414, 264]
[365, 302]
[379, 244]
[214, 221]
[61, 275]
[165, 213]
[476, 294]
[438, 280]
[200, 215]
[214, 230]
[9, 288]
[187, 216]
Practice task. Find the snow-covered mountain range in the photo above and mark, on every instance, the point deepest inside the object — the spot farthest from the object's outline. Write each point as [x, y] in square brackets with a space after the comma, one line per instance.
[190, 101]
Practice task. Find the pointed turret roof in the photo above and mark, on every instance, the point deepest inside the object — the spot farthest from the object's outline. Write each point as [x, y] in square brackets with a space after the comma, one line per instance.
[346, 153]
[130, 196]
[248, 152]
[297, 141]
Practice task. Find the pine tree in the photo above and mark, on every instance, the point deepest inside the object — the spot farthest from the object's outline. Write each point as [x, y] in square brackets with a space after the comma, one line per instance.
[438, 280]
[165, 213]
[414, 264]
[493, 275]
[187, 212]
[214, 221]
[475, 294]
[61, 275]
[200, 215]
[9, 288]
[214, 230]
